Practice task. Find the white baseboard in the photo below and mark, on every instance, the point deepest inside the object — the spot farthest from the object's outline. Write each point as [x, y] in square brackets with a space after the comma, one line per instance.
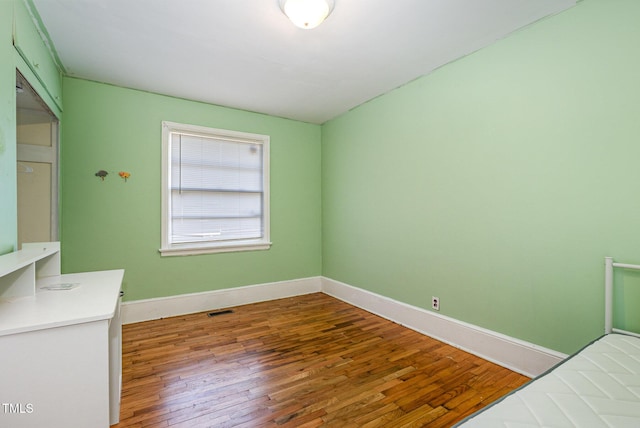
[520, 356]
[163, 307]
[514, 354]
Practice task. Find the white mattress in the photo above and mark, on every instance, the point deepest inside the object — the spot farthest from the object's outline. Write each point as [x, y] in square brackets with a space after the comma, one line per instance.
[597, 387]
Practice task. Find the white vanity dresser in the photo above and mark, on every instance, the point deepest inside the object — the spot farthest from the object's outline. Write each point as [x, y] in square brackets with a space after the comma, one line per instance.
[60, 342]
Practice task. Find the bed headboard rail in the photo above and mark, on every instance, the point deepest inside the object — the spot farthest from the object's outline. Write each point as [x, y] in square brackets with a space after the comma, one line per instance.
[608, 294]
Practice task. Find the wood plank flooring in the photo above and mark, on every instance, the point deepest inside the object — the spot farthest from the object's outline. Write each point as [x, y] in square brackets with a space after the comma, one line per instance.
[306, 361]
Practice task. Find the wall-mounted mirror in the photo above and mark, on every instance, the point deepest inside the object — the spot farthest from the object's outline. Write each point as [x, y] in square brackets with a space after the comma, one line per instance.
[37, 168]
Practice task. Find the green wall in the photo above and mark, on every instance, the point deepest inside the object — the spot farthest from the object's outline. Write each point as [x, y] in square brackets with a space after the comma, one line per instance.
[499, 182]
[112, 224]
[15, 20]
[8, 205]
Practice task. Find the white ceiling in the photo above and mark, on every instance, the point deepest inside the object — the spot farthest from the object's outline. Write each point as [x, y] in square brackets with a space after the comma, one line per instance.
[246, 54]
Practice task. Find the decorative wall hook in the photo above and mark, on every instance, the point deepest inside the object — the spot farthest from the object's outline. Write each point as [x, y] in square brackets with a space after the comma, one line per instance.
[102, 174]
[124, 175]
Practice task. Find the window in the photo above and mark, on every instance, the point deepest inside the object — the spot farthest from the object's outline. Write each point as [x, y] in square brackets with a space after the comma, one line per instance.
[215, 190]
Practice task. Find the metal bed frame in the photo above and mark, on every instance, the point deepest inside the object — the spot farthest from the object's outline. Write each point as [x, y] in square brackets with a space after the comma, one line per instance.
[608, 295]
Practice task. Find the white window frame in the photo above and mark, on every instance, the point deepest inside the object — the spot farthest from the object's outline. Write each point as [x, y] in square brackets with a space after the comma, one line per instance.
[181, 249]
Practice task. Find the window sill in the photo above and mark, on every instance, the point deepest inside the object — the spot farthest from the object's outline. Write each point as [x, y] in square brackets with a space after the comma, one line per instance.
[192, 250]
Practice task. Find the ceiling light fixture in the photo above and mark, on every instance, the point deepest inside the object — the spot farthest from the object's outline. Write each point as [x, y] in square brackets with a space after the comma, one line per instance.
[307, 14]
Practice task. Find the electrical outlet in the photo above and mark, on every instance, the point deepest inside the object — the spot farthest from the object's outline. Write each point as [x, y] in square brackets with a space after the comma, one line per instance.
[435, 303]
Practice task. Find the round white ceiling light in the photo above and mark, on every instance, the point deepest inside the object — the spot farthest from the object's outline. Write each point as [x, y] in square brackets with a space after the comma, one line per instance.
[307, 14]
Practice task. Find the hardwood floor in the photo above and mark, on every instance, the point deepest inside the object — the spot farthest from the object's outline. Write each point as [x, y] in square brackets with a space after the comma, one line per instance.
[306, 361]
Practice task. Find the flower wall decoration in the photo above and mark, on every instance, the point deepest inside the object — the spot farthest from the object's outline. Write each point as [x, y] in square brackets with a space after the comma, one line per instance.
[102, 174]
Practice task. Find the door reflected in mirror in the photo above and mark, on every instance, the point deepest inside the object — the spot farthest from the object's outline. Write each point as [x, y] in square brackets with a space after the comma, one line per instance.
[37, 166]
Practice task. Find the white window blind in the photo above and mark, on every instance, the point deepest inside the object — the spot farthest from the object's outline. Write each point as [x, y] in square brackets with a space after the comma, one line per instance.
[217, 191]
